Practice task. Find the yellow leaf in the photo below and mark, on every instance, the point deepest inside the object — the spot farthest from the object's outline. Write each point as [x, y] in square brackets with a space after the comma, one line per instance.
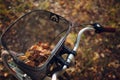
[96, 56]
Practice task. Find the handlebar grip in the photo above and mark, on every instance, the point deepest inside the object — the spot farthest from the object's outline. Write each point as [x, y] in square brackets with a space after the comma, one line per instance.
[108, 29]
[99, 28]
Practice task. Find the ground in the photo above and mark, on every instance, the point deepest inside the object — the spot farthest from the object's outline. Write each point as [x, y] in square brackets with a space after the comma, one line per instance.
[98, 57]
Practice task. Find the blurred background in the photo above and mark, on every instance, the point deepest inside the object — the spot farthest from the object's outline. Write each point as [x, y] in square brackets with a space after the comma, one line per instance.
[98, 55]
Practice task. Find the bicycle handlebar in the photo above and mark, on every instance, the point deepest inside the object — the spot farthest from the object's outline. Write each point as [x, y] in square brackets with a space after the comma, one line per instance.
[97, 28]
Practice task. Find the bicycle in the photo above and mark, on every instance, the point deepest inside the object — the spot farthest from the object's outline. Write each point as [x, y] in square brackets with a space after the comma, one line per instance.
[41, 26]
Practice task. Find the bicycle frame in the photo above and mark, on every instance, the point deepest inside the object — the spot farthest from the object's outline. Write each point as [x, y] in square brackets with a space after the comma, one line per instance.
[21, 74]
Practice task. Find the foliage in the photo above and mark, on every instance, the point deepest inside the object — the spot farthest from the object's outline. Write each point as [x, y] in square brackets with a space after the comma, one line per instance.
[98, 56]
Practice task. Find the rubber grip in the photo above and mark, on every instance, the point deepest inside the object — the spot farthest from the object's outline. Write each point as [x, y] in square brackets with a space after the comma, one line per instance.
[108, 29]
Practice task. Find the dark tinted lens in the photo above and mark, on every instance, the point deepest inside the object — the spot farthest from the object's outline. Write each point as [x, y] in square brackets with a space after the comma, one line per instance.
[34, 27]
